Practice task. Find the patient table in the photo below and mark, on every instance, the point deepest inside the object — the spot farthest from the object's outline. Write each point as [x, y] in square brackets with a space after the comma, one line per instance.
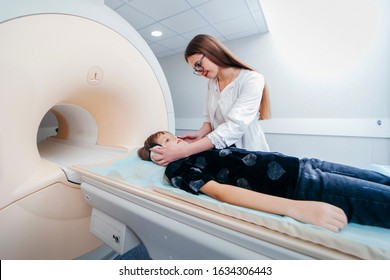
[173, 224]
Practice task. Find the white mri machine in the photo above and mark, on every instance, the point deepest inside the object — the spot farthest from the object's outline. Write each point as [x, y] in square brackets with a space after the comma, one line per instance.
[80, 87]
[78, 66]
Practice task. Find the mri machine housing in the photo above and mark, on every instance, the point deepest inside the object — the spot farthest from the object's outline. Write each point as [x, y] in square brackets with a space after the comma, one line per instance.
[80, 66]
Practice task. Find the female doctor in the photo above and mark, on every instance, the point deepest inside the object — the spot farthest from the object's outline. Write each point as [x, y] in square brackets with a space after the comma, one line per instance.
[237, 98]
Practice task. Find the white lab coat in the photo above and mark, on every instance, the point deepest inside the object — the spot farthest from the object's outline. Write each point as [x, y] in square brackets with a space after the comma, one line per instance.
[239, 103]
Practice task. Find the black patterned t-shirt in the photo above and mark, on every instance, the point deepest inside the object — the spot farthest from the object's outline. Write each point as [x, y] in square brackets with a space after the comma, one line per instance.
[265, 172]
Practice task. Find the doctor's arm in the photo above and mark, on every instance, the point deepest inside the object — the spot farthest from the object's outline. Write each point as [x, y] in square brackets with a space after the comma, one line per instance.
[164, 155]
[199, 134]
[313, 212]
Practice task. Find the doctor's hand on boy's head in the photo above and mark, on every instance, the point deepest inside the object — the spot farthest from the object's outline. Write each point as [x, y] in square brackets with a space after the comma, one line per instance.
[164, 155]
[169, 148]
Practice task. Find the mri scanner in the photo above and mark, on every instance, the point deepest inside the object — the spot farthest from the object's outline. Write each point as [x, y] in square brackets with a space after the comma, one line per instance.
[80, 90]
[78, 67]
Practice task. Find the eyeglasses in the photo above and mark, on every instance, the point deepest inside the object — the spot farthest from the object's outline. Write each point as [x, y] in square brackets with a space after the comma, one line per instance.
[198, 68]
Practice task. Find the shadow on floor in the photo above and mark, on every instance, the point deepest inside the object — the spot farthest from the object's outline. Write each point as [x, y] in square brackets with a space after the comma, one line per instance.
[137, 253]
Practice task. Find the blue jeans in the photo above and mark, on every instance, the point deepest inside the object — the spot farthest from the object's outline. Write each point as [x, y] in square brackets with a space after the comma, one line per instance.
[364, 195]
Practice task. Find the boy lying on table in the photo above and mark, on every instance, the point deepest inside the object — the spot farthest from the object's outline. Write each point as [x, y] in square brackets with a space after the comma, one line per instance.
[312, 191]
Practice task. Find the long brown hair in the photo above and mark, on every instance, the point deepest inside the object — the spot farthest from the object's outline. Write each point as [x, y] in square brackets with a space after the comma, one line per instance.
[220, 55]
[150, 142]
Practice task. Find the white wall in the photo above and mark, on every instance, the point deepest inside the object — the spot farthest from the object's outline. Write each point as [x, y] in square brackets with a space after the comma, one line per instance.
[327, 66]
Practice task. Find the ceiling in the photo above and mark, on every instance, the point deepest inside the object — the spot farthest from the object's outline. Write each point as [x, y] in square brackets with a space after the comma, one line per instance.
[180, 20]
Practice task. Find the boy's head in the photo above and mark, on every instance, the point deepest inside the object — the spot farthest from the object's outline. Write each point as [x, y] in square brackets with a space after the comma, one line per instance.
[160, 138]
